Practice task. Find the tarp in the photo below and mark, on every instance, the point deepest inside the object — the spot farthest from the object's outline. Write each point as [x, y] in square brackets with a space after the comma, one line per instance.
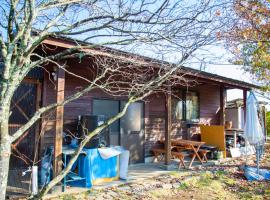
[95, 167]
[106, 153]
[252, 174]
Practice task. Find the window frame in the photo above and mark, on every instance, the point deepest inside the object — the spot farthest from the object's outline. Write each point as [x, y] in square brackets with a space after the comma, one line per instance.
[184, 106]
[184, 94]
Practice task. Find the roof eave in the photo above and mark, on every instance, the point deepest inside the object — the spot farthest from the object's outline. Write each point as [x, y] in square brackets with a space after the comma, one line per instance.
[70, 42]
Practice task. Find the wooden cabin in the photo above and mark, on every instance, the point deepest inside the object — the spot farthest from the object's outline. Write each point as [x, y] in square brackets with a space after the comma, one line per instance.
[158, 116]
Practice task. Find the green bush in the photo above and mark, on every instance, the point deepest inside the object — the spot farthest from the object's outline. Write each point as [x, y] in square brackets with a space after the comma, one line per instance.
[268, 123]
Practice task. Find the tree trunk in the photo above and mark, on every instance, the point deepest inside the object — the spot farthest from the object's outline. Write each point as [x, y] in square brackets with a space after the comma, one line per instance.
[5, 152]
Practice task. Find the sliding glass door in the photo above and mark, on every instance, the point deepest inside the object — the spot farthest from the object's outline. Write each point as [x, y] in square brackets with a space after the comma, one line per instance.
[109, 108]
[129, 130]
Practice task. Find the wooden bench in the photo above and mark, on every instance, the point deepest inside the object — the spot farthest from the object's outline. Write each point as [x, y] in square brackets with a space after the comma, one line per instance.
[157, 153]
[179, 156]
[202, 152]
[161, 152]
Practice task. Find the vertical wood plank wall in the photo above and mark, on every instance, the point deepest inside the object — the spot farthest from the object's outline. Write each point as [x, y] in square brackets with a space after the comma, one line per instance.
[155, 111]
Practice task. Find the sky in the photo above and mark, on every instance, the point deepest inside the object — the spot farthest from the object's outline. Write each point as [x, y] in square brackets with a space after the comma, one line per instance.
[216, 60]
[234, 72]
[219, 66]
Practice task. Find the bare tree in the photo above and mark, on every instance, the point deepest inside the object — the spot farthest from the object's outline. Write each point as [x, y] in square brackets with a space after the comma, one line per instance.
[166, 26]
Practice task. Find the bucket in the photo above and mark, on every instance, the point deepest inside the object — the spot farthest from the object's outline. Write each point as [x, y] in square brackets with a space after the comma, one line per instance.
[218, 155]
[228, 125]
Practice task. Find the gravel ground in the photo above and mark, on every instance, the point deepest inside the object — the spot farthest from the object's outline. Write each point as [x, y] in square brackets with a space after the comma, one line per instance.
[222, 181]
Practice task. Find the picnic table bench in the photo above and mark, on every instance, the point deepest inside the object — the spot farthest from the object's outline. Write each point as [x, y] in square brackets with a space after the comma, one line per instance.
[161, 152]
[182, 147]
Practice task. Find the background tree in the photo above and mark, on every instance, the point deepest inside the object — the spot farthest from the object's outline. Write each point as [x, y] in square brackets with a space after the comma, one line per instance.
[268, 123]
[167, 26]
[249, 38]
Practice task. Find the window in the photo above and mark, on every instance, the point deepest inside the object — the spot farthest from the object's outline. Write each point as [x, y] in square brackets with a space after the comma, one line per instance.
[192, 106]
[186, 106]
[177, 107]
[108, 108]
[131, 122]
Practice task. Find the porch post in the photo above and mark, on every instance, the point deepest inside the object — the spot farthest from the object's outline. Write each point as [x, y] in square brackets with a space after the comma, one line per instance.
[168, 125]
[222, 104]
[60, 95]
[245, 104]
[38, 126]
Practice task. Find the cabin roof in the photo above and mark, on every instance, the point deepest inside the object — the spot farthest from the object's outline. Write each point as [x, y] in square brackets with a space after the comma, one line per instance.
[67, 42]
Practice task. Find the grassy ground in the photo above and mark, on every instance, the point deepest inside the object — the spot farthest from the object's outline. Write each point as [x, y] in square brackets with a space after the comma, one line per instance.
[224, 181]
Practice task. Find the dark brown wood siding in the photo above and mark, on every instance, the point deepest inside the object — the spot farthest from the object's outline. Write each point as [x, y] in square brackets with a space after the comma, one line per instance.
[155, 115]
[154, 109]
[209, 103]
[154, 120]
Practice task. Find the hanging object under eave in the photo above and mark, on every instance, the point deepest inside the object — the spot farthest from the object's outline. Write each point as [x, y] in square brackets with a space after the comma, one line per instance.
[253, 130]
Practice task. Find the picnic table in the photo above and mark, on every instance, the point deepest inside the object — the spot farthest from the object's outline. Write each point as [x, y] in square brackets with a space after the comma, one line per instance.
[191, 145]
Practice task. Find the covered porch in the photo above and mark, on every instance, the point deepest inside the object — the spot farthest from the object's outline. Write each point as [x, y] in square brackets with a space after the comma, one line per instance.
[201, 104]
[210, 98]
